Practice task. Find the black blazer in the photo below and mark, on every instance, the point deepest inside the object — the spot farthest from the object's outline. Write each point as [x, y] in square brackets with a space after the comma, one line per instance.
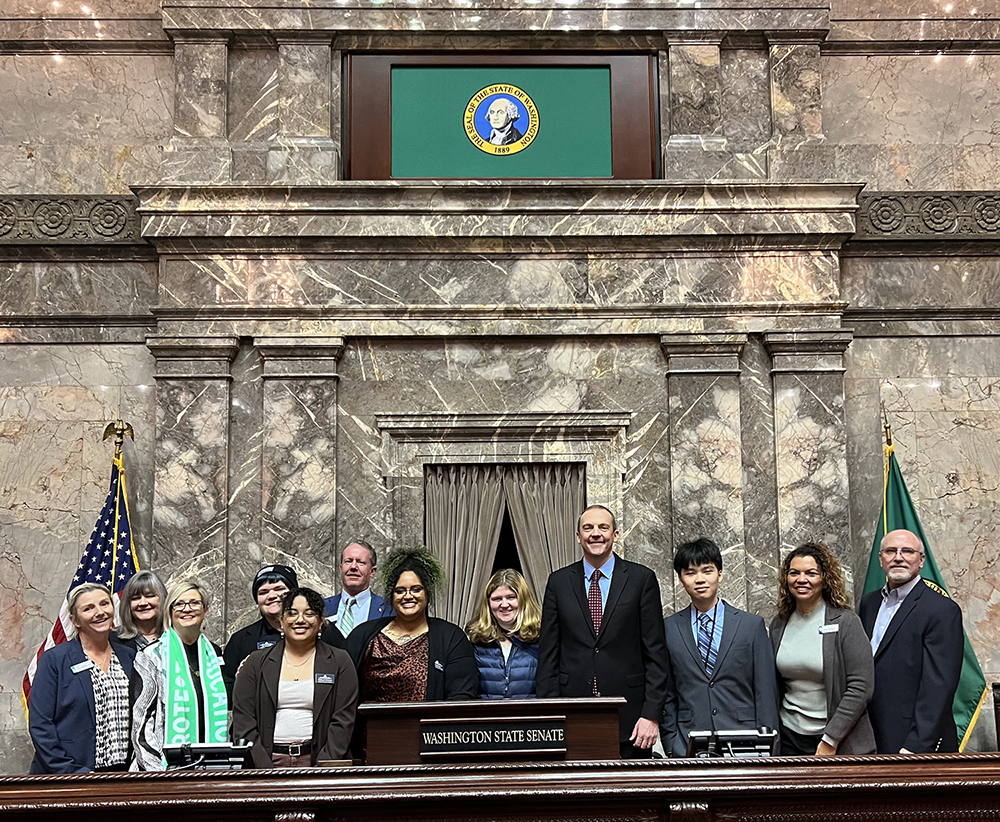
[917, 667]
[452, 672]
[335, 702]
[628, 658]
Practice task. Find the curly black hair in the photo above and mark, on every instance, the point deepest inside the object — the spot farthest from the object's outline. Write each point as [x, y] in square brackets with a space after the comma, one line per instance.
[418, 560]
[314, 599]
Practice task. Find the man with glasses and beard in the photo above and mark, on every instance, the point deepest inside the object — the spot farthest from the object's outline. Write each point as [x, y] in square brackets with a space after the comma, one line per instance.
[917, 641]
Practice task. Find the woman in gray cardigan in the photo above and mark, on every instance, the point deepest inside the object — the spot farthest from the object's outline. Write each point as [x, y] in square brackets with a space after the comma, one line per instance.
[825, 671]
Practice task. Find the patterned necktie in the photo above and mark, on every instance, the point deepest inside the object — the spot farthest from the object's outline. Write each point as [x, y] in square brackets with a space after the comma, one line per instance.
[347, 624]
[596, 609]
[706, 627]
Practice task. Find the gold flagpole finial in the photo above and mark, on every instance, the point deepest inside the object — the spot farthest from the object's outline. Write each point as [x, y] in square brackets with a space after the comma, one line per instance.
[888, 428]
[120, 430]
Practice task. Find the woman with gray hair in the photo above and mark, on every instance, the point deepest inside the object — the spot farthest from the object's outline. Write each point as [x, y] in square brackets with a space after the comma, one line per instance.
[78, 714]
[181, 696]
[140, 610]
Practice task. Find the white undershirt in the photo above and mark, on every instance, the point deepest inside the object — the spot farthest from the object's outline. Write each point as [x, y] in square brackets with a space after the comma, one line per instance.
[294, 720]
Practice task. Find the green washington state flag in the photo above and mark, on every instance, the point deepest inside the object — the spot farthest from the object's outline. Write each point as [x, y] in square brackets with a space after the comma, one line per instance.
[898, 512]
[551, 122]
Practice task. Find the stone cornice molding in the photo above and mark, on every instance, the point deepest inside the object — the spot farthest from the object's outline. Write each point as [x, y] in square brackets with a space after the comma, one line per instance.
[656, 215]
[572, 216]
[453, 16]
[578, 425]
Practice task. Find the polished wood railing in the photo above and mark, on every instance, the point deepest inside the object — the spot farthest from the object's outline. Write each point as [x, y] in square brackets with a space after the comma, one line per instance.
[935, 788]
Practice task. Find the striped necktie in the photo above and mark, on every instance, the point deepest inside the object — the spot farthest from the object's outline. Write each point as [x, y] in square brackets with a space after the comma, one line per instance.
[347, 623]
[706, 627]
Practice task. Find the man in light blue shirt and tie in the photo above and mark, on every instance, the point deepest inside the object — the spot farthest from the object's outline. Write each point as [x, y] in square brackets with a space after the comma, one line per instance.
[356, 603]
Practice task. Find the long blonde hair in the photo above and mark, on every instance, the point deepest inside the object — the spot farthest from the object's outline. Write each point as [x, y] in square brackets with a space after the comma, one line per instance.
[484, 629]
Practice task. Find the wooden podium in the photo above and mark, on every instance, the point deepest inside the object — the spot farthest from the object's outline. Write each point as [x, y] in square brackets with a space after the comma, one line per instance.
[489, 730]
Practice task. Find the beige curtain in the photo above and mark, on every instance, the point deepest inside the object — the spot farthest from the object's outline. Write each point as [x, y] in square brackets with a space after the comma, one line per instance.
[464, 512]
[544, 502]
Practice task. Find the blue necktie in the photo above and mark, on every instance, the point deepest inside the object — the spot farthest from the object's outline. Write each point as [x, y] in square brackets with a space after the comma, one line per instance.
[706, 627]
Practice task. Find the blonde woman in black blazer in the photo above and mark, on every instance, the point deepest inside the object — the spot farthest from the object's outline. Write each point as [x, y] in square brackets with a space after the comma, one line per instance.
[848, 670]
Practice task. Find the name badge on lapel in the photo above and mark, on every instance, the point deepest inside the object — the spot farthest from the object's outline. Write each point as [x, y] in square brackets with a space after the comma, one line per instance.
[265, 643]
[324, 679]
[80, 667]
[830, 629]
[438, 665]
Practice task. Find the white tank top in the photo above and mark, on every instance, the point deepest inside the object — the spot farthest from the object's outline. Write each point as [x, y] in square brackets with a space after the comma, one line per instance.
[294, 721]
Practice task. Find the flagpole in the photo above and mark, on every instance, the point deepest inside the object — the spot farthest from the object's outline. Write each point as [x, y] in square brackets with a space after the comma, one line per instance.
[104, 542]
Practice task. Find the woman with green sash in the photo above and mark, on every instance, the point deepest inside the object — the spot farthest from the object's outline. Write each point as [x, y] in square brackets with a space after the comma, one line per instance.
[181, 695]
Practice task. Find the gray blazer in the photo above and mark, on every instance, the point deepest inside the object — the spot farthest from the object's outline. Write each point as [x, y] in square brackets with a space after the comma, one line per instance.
[849, 676]
[742, 693]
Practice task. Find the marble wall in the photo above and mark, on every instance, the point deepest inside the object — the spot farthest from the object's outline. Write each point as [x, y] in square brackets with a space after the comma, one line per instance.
[83, 123]
[715, 354]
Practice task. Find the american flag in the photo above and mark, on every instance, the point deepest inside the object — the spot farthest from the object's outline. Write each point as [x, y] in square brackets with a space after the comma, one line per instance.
[109, 560]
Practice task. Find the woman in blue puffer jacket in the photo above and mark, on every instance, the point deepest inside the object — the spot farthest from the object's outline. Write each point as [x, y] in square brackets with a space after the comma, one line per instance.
[505, 635]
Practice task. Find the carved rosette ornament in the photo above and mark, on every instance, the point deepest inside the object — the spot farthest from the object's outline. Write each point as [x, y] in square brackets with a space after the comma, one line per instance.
[47, 220]
[987, 214]
[886, 214]
[928, 215]
[8, 218]
[53, 218]
[938, 214]
[108, 218]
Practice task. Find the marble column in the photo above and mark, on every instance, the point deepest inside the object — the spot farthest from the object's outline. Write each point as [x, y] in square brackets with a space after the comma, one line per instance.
[305, 152]
[199, 151]
[695, 88]
[299, 483]
[810, 440]
[706, 476]
[796, 90]
[696, 149]
[190, 485]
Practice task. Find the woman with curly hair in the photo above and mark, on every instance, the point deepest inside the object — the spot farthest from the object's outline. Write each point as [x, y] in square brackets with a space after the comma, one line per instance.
[505, 635]
[824, 659]
[412, 657]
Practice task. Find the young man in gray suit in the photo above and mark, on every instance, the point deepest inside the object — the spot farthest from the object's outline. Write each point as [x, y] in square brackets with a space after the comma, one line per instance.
[720, 660]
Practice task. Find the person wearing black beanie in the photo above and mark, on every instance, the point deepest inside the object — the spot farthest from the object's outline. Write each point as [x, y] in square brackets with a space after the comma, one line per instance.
[270, 584]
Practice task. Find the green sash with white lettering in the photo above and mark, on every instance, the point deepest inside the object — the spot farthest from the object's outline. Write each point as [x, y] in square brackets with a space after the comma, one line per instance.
[181, 720]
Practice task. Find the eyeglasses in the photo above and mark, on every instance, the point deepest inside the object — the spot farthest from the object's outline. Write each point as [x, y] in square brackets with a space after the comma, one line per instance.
[191, 605]
[907, 553]
[414, 590]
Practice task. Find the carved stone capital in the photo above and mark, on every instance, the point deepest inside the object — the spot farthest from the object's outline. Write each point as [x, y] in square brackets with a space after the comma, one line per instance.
[709, 353]
[192, 358]
[300, 357]
[800, 351]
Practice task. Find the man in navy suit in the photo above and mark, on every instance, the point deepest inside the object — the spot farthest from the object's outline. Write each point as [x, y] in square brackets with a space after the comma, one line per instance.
[917, 640]
[719, 659]
[602, 634]
[356, 603]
